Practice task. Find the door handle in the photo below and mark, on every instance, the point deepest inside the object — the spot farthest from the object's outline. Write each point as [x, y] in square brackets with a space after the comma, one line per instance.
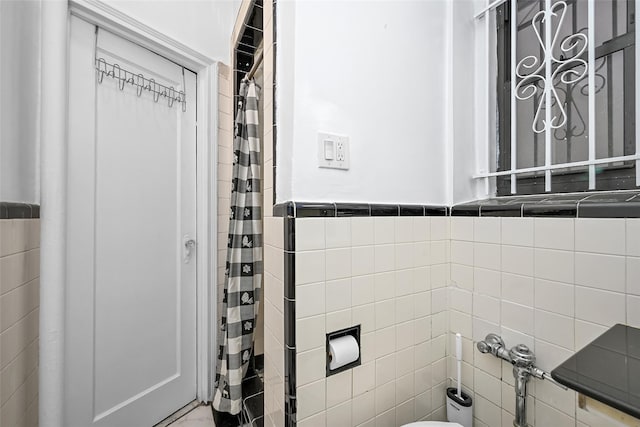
[189, 245]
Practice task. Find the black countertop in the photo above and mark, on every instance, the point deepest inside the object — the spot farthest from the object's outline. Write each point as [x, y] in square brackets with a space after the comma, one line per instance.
[607, 369]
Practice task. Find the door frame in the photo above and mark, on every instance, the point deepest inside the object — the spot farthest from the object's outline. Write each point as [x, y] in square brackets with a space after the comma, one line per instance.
[54, 197]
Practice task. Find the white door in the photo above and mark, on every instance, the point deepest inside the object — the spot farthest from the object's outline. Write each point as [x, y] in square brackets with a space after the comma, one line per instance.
[130, 356]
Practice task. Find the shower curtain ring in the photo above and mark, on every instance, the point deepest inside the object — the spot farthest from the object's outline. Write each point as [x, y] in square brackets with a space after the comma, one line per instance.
[139, 84]
[119, 76]
[171, 97]
[183, 100]
[102, 66]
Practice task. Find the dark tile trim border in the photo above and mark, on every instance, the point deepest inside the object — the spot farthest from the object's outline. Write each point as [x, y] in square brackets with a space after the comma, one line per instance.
[12, 210]
[326, 209]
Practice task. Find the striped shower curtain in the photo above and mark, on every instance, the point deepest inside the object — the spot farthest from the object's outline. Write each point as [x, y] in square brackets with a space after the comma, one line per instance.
[243, 276]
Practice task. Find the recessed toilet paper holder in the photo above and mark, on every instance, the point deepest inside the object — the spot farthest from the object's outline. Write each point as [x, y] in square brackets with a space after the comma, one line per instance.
[353, 331]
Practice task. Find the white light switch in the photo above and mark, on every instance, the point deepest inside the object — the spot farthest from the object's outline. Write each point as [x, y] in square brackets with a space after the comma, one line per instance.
[333, 151]
[329, 149]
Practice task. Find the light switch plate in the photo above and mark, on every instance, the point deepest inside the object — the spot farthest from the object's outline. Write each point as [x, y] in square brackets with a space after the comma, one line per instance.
[333, 151]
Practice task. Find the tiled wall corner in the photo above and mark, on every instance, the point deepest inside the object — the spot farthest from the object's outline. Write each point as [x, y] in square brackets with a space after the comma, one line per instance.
[19, 310]
[553, 284]
[389, 275]
[274, 322]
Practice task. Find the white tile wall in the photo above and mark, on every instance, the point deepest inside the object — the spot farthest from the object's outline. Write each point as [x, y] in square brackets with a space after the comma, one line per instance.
[19, 316]
[552, 284]
[376, 272]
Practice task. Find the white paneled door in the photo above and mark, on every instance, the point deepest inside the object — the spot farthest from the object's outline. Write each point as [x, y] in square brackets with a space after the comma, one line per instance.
[130, 335]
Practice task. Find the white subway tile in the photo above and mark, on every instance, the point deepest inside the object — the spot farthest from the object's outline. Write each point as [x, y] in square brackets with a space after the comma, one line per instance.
[311, 399]
[422, 356]
[311, 366]
[384, 230]
[597, 306]
[587, 332]
[339, 415]
[310, 267]
[310, 333]
[462, 228]
[518, 289]
[462, 276]
[367, 346]
[554, 396]
[554, 296]
[549, 356]
[439, 252]
[555, 328]
[404, 282]
[310, 234]
[486, 230]
[362, 290]
[404, 362]
[421, 229]
[387, 418]
[385, 398]
[385, 341]
[385, 313]
[517, 317]
[422, 254]
[462, 252]
[273, 232]
[633, 311]
[460, 323]
[438, 324]
[633, 275]
[461, 300]
[364, 378]
[384, 286]
[600, 271]
[404, 389]
[439, 275]
[385, 369]
[363, 408]
[517, 231]
[338, 320]
[421, 279]
[487, 386]
[403, 229]
[487, 282]
[404, 309]
[362, 231]
[554, 265]
[338, 233]
[310, 300]
[423, 405]
[338, 295]
[633, 237]
[517, 336]
[404, 335]
[422, 330]
[439, 300]
[405, 411]
[364, 315]
[518, 260]
[605, 236]
[405, 256]
[554, 233]
[421, 304]
[486, 308]
[384, 258]
[440, 228]
[548, 416]
[362, 260]
[487, 412]
[486, 255]
[338, 263]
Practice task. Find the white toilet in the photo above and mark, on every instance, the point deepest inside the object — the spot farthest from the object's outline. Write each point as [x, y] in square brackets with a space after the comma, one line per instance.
[432, 424]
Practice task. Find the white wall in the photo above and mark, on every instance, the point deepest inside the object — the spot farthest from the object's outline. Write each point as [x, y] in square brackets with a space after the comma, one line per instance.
[19, 101]
[203, 25]
[372, 71]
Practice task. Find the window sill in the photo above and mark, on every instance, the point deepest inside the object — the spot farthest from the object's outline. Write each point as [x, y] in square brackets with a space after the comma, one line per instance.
[603, 204]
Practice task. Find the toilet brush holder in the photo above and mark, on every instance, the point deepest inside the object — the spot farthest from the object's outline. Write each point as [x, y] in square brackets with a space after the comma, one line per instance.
[459, 408]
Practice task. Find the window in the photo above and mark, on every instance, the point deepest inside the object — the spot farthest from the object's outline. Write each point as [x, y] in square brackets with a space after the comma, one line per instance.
[566, 96]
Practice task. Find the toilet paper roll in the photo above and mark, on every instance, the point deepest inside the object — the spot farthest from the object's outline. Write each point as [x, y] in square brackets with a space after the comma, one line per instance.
[343, 350]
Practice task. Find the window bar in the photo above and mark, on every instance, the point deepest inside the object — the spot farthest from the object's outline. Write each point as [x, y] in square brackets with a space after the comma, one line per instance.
[547, 101]
[637, 95]
[514, 115]
[487, 27]
[592, 90]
